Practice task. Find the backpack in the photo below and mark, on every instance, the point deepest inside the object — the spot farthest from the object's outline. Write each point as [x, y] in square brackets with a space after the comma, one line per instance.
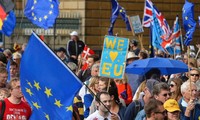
[3, 107]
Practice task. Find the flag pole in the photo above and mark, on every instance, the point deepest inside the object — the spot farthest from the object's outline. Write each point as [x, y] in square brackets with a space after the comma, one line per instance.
[140, 36]
[197, 54]
[108, 85]
[97, 97]
[188, 52]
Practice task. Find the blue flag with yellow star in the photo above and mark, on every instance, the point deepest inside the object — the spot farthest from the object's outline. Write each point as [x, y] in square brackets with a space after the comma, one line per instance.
[42, 12]
[47, 83]
[189, 23]
[116, 10]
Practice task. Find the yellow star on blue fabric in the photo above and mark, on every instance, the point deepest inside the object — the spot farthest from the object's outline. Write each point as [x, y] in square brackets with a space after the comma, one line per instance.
[35, 18]
[29, 83]
[47, 116]
[186, 18]
[35, 104]
[40, 19]
[183, 10]
[50, 12]
[35, 1]
[48, 92]
[36, 84]
[29, 91]
[45, 17]
[70, 108]
[57, 103]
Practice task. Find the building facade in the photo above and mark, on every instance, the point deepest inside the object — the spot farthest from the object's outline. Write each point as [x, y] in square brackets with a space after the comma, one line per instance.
[91, 18]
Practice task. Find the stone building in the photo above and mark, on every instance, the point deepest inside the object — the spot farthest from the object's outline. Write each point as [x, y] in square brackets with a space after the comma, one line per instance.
[91, 18]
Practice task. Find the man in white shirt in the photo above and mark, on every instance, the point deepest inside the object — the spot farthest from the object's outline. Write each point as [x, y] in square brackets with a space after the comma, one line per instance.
[103, 112]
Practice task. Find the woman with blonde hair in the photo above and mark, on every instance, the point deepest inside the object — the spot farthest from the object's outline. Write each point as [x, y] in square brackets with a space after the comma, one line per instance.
[139, 93]
[175, 88]
[89, 96]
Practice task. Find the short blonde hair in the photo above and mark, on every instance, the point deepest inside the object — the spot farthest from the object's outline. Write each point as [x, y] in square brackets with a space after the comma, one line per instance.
[12, 83]
[93, 80]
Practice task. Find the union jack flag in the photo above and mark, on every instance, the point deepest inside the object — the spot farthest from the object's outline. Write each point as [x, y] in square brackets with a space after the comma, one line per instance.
[173, 44]
[148, 18]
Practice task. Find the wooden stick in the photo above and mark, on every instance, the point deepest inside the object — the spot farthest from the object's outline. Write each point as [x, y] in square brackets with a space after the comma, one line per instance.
[108, 85]
[188, 48]
[79, 64]
[140, 36]
[197, 54]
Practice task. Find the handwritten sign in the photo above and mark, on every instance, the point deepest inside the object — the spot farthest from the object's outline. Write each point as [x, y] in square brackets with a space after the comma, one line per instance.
[136, 24]
[113, 59]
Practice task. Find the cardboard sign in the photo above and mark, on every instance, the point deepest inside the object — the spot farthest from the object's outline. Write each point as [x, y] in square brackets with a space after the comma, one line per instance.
[113, 59]
[136, 24]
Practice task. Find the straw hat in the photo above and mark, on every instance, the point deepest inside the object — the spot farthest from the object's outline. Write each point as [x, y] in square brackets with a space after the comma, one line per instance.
[131, 55]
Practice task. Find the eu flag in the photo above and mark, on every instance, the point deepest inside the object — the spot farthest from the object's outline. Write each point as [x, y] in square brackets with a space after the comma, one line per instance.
[116, 10]
[42, 12]
[189, 23]
[9, 24]
[47, 84]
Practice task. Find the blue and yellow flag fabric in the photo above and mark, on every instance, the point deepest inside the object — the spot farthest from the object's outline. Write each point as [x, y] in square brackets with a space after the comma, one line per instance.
[42, 12]
[116, 10]
[9, 24]
[189, 23]
[47, 83]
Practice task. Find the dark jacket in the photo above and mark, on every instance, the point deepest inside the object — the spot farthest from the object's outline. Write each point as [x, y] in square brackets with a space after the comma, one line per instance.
[194, 114]
[133, 108]
[74, 48]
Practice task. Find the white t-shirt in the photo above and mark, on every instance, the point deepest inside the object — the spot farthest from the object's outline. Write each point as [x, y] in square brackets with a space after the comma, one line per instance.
[97, 116]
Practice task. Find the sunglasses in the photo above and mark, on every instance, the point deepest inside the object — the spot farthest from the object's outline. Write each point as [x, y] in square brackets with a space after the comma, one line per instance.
[171, 85]
[163, 113]
[195, 75]
[165, 95]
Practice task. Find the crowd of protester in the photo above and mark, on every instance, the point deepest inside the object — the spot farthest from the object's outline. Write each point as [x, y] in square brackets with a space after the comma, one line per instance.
[135, 97]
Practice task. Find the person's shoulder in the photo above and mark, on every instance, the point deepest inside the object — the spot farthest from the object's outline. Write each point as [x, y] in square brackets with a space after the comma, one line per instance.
[93, 116]
[133, 103]
[25, 105]
[122, 108]
[80, 41]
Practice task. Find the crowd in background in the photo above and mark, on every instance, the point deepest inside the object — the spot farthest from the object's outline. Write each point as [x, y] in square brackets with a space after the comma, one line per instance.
[135, 97]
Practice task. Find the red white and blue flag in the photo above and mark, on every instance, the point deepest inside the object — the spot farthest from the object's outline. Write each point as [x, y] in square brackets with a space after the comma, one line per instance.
[173, 44]
[148, 18]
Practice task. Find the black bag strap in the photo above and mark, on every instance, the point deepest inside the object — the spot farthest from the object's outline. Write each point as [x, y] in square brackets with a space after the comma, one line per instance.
[3, 107]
